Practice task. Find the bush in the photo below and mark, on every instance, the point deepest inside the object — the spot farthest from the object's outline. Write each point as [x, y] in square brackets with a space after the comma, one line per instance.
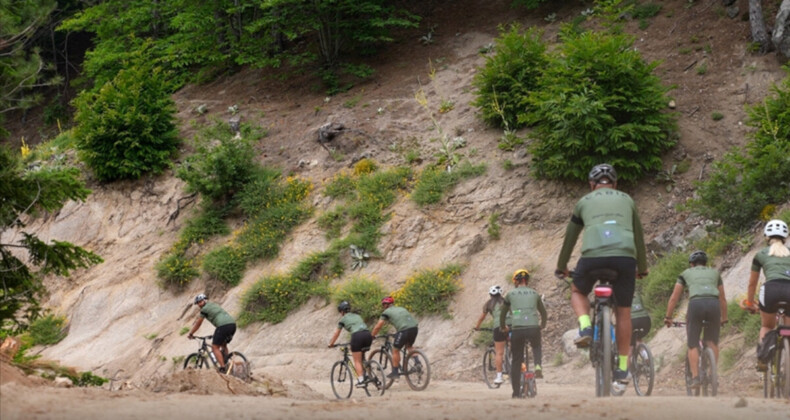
[658, 285]
[598, 101]
[176, 269]
[126, 129]
[271, 298]
[434, 182]
[48, 330]
[429, 291]
[363, 294]
[226, 264]
[342, 185]
[741, 321]
[507, 78]
[741, 185]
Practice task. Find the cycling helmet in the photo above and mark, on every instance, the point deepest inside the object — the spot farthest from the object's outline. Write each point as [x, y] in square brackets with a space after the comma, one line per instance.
[200, 297]
[776, 227]
[387, 300]
[495, 290]
[520, 275]
[698, 257]
[603, 170]
[343, 306]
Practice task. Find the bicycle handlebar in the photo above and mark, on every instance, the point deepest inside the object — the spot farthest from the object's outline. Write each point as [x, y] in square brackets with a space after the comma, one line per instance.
[205, 337]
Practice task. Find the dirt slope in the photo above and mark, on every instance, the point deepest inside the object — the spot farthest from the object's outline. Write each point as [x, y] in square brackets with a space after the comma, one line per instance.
[124, 326]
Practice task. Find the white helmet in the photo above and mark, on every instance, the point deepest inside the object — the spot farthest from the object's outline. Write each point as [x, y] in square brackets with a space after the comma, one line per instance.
[776, 227]
[495, 290]
[199, 298]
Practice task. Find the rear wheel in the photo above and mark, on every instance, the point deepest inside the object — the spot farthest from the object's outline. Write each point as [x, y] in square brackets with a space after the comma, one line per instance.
[643, 370]
[417, 370]
[385, 361]
[342, 380]
[238, 366]
[606, 356]
[710, 380]
[784, 367]
[376, 384]
[689, 390]
[489, 368]
[196, 361]
[532, 386]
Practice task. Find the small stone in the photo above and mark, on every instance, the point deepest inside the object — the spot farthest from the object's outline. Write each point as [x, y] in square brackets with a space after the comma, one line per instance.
[672, 104]
[740, 403]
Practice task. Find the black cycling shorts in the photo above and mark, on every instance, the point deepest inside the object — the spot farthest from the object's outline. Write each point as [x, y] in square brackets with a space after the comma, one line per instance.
[623, 287]
[223, 334]
[703, 309]
[773, 292]
[361, 340]
[640, 326]
[405, 338]
[499, 336]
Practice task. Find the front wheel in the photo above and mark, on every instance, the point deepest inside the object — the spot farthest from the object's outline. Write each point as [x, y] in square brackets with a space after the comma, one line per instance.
[710, 381]
[196, 361]
[342, 380]
[643, 370]
[385, 360]
[376, 381]
[417, 370]
[489, 368]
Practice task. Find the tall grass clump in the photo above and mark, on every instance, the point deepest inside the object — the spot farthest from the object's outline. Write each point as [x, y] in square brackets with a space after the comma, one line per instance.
[363, 294]
[434, 182]
[48, 330]
[744, 182]
[271, 298]
[598, 101]
[430, 291]
[658, 285]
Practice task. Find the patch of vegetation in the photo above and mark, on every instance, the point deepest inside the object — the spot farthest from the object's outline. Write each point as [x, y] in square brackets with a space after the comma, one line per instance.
[430, 291]
[646, 10]
[742, 322]
[273, 297]
[729, 357]
[493, 226]
[363, 294]
[434, 182]
[48, 330]
[716, 116]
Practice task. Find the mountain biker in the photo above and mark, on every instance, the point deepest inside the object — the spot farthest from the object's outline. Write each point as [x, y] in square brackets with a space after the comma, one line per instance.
[524, 304]
[707, 302]
[612, 239]
[224, 323]
[361, 338]
[406, 327]
[494, 307]
[774, 261]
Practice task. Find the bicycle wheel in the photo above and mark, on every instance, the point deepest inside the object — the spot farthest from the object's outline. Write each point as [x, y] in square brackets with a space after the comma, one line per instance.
[784, 368]
[532, 387]
[643, 370]
[376, 381]
[689, 390]
[342, 380]
[385, 360]
[238, 366]
[507, 360]
[767, 381]
[417, 370]
[196, 361]
[710, 381]
[606, 353]
[489, 368]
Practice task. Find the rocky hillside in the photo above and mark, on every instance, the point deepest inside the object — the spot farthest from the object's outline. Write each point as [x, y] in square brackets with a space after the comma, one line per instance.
[124, 325]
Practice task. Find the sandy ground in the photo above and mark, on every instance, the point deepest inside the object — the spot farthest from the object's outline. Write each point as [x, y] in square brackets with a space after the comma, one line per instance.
[442, 400]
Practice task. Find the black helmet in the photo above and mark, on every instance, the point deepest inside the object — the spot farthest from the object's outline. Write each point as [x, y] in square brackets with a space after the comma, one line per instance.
[343, 306]
[603, 170]
[698, 257]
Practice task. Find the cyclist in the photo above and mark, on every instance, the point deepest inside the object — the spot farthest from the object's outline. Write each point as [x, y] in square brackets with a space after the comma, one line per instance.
[494, 307]
[774, 261]
[524, 304]
[224, 323]
[612, 239]
[707, 302]
[361, 339]
[406, 327]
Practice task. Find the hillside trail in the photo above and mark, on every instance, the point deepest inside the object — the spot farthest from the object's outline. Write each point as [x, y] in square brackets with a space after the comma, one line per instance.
[124, 325]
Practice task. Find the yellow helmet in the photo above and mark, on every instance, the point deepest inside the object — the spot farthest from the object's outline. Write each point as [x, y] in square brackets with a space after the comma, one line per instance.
[520, 274]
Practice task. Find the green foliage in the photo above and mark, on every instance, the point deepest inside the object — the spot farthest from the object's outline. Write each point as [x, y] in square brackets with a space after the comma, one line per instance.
[430, 291]
[48, 330]
[503, 84]
[85, 379]
[271, 298]
[26, 193]
[342, 185]
[529, 4]
[225, 264]
[741, 184]
[332, 222]
[493, 226]
[598, 101]
[716, 116]
[176, 269]
[126, 129]
[363, 294]
[658, 285]
[434, 182]
[646, 10]
[742, 322]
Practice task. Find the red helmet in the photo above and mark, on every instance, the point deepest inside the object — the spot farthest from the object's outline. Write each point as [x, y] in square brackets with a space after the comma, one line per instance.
[387, 300]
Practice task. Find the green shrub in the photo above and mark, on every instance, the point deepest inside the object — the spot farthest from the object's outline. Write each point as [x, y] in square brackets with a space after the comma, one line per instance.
[363, 294]
[493, 226]
[332, 222]
[598, 101]
[176, 269]
[508, 76]
[646, 10]
[209, 222]
[430, 291]
[271, 298]
[742, 322]
[225, 264]
[434, 182]
[342, 185]
[48, 330]
[126, 129]
[658, 285]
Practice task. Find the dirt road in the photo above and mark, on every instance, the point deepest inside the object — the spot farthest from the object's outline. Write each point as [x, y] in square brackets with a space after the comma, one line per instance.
[442, 400]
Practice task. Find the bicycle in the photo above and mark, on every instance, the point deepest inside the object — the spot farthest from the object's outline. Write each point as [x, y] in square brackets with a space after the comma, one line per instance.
[708, 376]
[529, 386]
[236, 363]
[343, 373]
[642, 369]
[415, 366]
[776, 378]
[489, 366]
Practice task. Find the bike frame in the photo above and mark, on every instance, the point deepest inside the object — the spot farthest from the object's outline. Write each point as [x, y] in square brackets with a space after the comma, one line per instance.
[704, 380]
[776, 383]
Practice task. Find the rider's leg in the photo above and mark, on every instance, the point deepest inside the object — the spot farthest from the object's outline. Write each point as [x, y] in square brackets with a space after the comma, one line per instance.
[623, 334]
[499, 355]
[768, 322]
[581, 306]
[517, 342]
[396, 360]
[217, 349]
[357, 356]
[715, 348]
[693, 355]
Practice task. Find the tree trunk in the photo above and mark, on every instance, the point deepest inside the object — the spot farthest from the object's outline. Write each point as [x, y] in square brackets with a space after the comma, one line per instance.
[781, 33]
[759, 33]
